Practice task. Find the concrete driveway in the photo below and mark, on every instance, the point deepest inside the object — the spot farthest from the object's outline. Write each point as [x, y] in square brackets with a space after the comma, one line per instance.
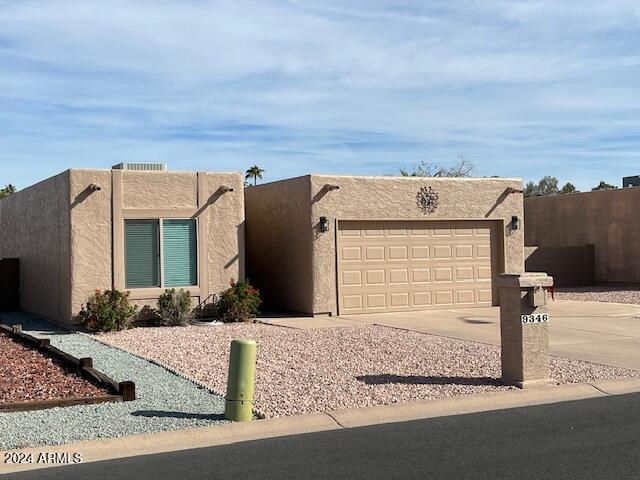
[607, 333]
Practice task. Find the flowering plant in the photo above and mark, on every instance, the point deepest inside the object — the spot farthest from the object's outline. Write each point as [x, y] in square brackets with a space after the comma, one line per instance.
[239, 303]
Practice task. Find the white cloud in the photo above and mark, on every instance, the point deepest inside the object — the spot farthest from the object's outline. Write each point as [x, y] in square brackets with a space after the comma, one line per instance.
[362, 86]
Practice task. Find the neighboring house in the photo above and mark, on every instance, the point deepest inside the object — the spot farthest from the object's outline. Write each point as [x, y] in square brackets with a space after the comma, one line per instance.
[322, 244]
[141, 231]
[558, 225]
[631, 181]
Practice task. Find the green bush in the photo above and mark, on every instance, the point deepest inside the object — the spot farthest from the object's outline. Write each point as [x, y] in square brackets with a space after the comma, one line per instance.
[174, 307]
[239, 303]
[107, 311]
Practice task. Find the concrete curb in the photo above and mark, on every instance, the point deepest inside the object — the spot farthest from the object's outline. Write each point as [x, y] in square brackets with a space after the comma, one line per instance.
[160, 442]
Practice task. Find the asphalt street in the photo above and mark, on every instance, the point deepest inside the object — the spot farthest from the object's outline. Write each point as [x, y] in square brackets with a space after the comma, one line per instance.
[587, 439]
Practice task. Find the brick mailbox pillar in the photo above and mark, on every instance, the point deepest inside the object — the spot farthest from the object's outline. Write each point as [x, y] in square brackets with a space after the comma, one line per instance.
[524, 328]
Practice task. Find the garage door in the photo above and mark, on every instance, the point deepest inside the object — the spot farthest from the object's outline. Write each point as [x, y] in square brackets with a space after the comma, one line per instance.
[417, 265]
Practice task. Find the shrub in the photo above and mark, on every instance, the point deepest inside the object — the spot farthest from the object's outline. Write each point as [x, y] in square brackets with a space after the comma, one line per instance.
[173, 307]
[239, 303]
[107, 311]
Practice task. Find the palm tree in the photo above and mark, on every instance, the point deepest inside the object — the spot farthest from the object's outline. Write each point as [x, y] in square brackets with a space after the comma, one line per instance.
[7, 190]
[254, 172]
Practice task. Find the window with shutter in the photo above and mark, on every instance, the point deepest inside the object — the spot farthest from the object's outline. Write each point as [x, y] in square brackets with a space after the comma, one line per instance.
[180, 253]
[142, 253]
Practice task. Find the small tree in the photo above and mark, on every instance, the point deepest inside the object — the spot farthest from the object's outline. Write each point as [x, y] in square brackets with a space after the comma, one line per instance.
[603, 186]
[530, 190]
[462, 168]
[548, 186]
[7, 190]
[568, 188]
[239, 303]
[254, 173]
[545, 186]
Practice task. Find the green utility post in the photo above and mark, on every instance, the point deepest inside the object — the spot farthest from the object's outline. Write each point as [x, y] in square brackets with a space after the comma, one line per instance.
[242, 373]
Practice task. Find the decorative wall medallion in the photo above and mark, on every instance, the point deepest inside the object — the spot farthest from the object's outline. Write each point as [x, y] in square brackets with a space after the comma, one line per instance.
[427, 200]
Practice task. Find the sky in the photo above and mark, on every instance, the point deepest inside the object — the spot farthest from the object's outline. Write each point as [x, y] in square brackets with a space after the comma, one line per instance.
[520, 88]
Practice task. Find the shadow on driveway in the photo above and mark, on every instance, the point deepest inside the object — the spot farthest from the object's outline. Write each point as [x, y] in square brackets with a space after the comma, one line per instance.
[475, 321]
[426, 380]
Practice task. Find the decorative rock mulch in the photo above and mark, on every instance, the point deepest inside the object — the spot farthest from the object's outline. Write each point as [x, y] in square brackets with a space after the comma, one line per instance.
[610, 294]
[28, 375]
[164, 401]
[303, 371]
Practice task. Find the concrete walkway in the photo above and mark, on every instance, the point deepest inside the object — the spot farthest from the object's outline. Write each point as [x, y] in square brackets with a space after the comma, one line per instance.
[606, 333]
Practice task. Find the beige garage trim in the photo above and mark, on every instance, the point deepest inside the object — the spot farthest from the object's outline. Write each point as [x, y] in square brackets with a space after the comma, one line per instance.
[386, 266]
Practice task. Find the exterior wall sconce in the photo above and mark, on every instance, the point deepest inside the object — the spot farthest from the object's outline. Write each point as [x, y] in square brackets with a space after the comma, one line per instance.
[94, 187]
[328, 187]
[515, 222]
[324, 224]
[225, 189]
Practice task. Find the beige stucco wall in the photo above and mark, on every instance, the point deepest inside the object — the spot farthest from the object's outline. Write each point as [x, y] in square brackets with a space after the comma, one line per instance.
[34, 227]
[607, 219]
[281, 244]
[90, 234]
[279, 241]
[97, 226]
[388, 198]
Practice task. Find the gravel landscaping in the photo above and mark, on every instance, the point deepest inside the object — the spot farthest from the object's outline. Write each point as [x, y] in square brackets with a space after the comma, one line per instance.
[302, 371]
[611, 294]
[27, 375]
[165, 401]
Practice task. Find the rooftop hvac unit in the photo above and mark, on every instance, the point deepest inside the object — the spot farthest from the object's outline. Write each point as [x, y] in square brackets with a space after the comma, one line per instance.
[140, 166]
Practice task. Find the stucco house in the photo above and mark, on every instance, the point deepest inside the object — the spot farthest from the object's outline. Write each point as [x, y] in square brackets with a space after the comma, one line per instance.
[136, 230]
[327, 245]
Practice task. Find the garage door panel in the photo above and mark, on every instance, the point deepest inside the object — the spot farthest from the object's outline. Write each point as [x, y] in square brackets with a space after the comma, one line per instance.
[399, 276]
[398, 252]
[351, 254]
[422, 299]
[464, 251]
[352, 302]
[420, 252]
[442, 252]
[352, 278]
[375, 277]
[396, 266]
[444, 297]
[376, 300]
[421, 275]
[350, 233]
[374, 253]
[465, 274]
[465, 296]
[442, 274]
[484, 296]
[483, 251]
[399, 299]
[484, 272]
